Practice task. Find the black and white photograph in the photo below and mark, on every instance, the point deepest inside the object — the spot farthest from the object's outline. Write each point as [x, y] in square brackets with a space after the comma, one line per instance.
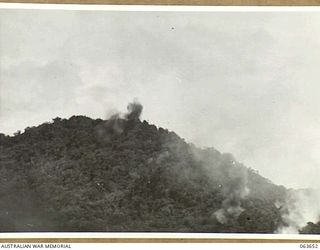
[162, 121]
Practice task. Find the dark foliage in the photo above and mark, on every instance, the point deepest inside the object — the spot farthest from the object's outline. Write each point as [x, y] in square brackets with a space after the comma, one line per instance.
[124, 175]
[311, 228]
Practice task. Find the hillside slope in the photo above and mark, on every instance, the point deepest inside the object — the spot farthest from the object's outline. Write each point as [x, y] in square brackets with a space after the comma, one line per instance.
[122, 174]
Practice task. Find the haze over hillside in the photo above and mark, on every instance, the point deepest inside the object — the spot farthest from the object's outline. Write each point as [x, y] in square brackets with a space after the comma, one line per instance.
[124, 174]
[245, 82]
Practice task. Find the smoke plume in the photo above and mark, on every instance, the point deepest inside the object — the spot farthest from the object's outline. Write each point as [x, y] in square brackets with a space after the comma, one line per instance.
[134, 110]
[234, 189]
[118, 122]
[301, 206]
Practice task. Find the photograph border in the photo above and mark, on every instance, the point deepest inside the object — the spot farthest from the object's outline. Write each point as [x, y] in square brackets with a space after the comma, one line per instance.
[83, 237]
[153, 240]
[179, 2]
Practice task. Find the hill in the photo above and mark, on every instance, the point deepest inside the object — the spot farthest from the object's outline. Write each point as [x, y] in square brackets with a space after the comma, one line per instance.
[123, 174]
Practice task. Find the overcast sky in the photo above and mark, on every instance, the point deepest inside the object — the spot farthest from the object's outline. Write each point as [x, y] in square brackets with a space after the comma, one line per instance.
[244, 83]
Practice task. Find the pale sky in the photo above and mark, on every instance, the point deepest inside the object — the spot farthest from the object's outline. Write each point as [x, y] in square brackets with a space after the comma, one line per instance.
[243, 82]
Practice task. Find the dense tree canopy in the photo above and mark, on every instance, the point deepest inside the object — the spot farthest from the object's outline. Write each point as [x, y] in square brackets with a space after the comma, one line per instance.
[122, 174]
[311, 228]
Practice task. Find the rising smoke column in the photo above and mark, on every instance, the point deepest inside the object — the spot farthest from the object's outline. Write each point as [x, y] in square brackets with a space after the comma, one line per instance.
[234, 190]
[117, 123]
[301, 206]
[134, 110]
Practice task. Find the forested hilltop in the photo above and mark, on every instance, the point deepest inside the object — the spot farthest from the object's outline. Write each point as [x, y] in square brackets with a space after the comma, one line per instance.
[123, 174]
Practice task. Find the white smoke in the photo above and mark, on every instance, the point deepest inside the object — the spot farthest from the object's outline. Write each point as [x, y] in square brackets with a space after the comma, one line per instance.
[234, 190]
[300, 207]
